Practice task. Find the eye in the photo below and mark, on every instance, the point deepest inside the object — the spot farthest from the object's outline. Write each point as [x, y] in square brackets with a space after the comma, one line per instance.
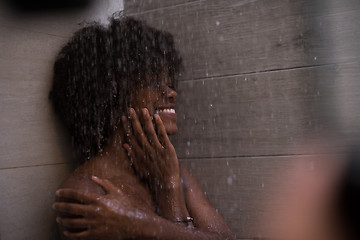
[172, 86]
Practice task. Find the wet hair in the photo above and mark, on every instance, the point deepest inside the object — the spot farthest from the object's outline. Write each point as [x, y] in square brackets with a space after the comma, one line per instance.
[96, 72]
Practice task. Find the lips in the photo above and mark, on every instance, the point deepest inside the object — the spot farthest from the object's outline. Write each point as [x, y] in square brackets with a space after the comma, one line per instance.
[166, 110]
[169, 109]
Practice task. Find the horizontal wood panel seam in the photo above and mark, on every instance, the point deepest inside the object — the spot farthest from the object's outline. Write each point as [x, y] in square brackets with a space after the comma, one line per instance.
[32, 31]
[249, 157]
[163, 8]
[31, 166]
[263, 71]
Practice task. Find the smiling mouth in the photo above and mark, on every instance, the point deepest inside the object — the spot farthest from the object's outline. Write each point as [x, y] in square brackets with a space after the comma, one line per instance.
[165, 110]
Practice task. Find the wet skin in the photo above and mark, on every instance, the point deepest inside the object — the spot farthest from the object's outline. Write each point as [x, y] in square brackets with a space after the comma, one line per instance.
[138, 173]
[158, 96]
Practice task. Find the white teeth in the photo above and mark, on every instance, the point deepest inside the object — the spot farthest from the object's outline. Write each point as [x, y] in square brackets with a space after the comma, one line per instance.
[167, 110]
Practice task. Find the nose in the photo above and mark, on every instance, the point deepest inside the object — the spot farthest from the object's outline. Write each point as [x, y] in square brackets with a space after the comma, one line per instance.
[171, 94]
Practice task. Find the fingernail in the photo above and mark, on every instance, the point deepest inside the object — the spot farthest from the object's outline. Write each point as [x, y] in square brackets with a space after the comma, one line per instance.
[144, 111]
[58, 219]
[94, 177]
[66, 233]
[57, 193]
[156, 116]
[54, 206]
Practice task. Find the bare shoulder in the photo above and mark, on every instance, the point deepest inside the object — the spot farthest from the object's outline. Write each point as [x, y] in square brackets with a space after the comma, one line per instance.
[83, 183]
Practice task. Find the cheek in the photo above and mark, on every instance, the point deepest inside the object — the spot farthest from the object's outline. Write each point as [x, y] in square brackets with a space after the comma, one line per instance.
[149, 103]
[146, 98]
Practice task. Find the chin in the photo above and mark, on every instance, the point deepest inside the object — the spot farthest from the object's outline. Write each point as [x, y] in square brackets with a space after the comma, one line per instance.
[171, 130]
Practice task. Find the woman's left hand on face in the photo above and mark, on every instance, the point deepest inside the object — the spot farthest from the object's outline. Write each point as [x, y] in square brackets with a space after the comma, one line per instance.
[108, 216]
[152, 154]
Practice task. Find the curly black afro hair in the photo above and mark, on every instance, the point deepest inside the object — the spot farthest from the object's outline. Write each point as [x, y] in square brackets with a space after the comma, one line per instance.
[96, 72]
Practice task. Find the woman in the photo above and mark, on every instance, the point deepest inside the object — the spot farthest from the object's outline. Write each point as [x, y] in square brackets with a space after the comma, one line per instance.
[114, 90]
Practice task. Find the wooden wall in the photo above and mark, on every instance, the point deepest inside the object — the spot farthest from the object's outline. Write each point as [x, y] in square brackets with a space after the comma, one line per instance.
[260, 76]
[33, 155]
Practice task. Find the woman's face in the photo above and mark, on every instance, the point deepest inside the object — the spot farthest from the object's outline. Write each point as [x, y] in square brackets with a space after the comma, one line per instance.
[158, 96]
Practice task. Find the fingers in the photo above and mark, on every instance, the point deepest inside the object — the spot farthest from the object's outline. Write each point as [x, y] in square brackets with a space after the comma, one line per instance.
[138, 131]
[74, 209]
[74, 223]
[131, 139]
[163, 137]
[132, 156]
[107, 185]
[149, 129]
[77, 195]
[78, 235]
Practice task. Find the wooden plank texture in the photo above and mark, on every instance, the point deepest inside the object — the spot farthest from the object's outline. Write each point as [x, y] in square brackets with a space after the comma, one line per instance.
[136, 6]
[26, 198]
[27, 126]
[252, 115]
[231, 37]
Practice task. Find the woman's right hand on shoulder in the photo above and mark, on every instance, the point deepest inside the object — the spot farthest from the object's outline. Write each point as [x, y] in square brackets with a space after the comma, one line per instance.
[98, 216]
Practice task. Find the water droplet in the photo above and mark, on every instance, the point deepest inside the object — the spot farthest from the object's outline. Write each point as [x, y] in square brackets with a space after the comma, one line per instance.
[229, 180]
[217, 23]
[188, 143]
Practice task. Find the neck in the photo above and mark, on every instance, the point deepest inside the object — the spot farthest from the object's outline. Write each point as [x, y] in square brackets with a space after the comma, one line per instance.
[113, 161]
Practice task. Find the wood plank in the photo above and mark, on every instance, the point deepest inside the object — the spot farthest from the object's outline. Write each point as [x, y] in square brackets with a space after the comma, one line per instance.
[27, 125]
[26, 198]
[29, 135]
[338, 31]
[230, 37]
[315, 7]
[22, 45]
[222, 38]
[254, 114]
[32, 143]
[344, 98]
[135, 6]
[244, 190]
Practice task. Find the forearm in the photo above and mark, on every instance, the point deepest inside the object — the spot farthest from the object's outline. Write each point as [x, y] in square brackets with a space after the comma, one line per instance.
[163, 229]
[171, 202]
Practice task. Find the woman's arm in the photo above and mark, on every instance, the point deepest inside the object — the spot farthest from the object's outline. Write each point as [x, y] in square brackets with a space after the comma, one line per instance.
[75, 183]
[177, 192]
[155, 161]
[114, 216]
[200, 208]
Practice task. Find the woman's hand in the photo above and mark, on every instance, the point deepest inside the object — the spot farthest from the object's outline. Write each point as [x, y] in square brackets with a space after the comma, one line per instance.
[153, 156]
[154, 159]
[109, 216]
